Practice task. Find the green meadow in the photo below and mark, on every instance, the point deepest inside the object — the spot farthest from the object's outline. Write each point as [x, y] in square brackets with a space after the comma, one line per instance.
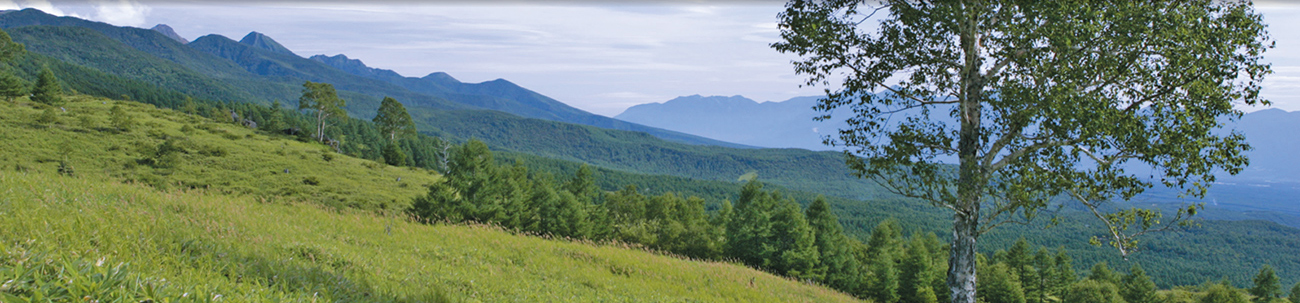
[172, 207]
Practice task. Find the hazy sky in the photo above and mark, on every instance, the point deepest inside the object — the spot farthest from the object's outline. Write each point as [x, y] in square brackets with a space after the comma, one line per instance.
[598, 56]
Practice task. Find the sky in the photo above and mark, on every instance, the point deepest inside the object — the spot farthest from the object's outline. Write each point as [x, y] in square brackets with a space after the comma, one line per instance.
[599, 56]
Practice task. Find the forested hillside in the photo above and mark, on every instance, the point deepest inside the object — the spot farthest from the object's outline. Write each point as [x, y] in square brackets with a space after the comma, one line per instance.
[548, 152]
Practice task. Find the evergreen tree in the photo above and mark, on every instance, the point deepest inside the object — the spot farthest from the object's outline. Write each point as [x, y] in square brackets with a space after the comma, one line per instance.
[837, 262]
[393, 120]
[884, 284]
[1093, 291]
[1223, 293]
[47, 91]
[750, 229]
[1039, 288]
[1136, 287]
[794, 240]
[998, 283]
[273, 121]
[1065, 275]
[1102, 273]
[1266, 286]
[48, 116]
[120, 119]
[916, 271]
[12, 86]
[325, 102]
[10, 50]
[1294, 297]
[393, 154]
[886, 238]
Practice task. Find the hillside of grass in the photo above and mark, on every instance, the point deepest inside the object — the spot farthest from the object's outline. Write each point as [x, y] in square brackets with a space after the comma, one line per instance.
[86, 209]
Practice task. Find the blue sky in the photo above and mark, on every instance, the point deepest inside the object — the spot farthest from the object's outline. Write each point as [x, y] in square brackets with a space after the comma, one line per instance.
[597, 56]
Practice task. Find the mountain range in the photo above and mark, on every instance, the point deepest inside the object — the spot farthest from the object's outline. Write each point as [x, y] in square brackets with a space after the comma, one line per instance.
[510, 118]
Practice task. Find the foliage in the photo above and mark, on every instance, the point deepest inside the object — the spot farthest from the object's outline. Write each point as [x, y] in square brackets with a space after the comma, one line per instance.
[392, 119]
[324, 102]
[1223, 293]
[12, 86]
[1266, 286]
[48, 90]
[133, 243]
[1136, 287]
[1020, 92]
[226, 158]
[393, 155]
[1090, 290]
[1000, 284]
[1294, 295]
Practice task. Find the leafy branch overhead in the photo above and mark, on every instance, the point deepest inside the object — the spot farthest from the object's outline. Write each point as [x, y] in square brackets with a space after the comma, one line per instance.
[1034, 99]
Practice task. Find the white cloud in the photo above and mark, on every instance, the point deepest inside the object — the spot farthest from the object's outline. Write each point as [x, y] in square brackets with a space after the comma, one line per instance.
[121, 12]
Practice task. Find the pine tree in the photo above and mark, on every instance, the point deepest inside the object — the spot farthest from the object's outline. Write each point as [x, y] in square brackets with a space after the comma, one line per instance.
[794, 240]
[48, 91]
[1266, 285]
[12, 87]
[1102, 273]
[1136, 287]
[1294, 297]
[1065, 275]
[393, 154]
[750, 228]
[49, 115]
[1223, 293]
[1040, 286]
[883, 286]
[1093, 291]
[837, 262]
[916, 271]
[997, 283]
[393, 120]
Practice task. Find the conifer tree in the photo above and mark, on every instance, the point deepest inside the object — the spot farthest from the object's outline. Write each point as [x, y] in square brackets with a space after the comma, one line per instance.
[1294, 297]
[393, 154]
[1136, 287]
[750, 228]
[998, 283]
[393, 120]
[1093, 291]
[12, 87]
[1040, 286]
[884, 283]
[1102, 273]
[1266, 286]
[916, 271]
[837, 262]
[1223, 292]
[10, 50]
[47, 91]
[1065, 275]
[793, 237]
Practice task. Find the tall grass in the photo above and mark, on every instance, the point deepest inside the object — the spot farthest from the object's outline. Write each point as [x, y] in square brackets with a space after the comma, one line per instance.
[92, 237]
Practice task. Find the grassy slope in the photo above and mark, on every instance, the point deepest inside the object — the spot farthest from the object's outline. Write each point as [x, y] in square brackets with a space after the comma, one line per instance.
[228, 240]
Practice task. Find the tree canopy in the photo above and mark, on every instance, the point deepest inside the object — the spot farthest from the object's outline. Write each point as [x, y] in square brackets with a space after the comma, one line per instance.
[393, 120]
[324, 101]
[1032, 99]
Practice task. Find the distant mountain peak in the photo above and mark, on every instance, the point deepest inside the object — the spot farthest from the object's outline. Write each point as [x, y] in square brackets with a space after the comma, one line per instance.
[441, 77]
[263, 41]
[167, 31]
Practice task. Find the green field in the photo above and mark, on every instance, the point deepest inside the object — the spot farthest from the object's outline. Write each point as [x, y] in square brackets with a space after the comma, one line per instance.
[231, 226]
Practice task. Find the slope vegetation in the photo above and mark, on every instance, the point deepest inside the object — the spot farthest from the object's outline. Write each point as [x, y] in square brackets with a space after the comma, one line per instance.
[71, 229]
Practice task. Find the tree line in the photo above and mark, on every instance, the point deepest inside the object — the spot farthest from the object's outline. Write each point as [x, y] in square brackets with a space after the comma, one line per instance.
[770, 231]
